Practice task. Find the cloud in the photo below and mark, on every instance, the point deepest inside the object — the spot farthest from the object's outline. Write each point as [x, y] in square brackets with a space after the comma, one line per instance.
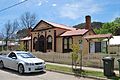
[77, 9]
[40, 2]
[54, 5]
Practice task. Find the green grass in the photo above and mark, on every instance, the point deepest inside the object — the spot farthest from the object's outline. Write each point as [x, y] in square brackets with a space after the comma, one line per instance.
[58, 68]
[78, 72]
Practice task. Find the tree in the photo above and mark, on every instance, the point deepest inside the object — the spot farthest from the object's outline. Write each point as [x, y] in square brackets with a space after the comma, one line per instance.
[28, 20]
[75, 54]
[21, 47]
[109, 27]
[10, 29]
[117, 20]
[94, 25]
[22, 33]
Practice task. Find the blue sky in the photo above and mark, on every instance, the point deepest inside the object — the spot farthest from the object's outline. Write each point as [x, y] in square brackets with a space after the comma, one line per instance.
[68, 12]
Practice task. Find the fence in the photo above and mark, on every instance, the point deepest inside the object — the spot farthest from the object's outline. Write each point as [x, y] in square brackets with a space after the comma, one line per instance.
[93, 60]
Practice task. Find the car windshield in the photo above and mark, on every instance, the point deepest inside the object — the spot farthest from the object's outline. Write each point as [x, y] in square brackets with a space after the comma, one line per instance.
[26, 55]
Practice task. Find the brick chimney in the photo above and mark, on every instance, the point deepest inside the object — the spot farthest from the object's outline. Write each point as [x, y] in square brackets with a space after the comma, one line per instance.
[88, 22]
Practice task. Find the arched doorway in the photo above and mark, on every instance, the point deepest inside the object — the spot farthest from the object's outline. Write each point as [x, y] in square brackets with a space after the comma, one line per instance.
[42, 43]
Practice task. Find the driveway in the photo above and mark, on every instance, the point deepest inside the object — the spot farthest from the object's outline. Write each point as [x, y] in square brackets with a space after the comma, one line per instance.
[7, 74]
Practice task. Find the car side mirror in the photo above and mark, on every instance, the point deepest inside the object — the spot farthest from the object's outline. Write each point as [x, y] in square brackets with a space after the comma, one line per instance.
[14, 57]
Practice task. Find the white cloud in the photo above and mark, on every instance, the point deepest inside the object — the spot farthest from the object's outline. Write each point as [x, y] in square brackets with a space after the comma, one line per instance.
[40, 2]
[77, 9]
[54, 5]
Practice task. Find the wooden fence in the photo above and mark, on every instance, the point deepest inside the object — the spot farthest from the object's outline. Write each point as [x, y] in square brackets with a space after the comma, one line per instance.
[93, 60]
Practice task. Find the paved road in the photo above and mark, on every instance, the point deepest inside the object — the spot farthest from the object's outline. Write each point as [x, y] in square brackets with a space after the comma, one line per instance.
[7, 74]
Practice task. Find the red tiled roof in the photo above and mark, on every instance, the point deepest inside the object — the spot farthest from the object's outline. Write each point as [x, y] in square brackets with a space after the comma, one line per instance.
[74, 32]
[60, 25]
[98, 36]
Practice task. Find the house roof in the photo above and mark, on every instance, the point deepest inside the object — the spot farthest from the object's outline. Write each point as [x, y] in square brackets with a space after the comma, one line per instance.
[115, 40]
[74, 32]
[98, 36]
[56, 25]
[26, 38]
[60, 25]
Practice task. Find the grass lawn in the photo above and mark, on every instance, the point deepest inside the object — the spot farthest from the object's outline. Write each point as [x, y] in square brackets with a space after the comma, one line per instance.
[77, 72]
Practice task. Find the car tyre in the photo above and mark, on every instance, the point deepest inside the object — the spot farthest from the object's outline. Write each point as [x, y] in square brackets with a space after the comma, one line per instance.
[1, 65]
[21, 69]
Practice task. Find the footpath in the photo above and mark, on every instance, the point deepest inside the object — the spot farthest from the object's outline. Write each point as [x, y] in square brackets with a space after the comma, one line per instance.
[84, 68]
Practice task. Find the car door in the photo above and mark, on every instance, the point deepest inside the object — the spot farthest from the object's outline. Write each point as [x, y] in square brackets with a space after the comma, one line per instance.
[13, 61]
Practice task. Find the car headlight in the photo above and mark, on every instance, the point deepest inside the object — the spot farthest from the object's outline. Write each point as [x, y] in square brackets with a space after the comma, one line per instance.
[29, 64]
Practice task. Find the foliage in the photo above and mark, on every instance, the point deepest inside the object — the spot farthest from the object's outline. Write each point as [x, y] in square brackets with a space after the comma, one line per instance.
[28, 20]
[75, 53]
[21, 47]
[9, 30]
[68, 70]
[94, 25]
[109, 27]
[22, 33]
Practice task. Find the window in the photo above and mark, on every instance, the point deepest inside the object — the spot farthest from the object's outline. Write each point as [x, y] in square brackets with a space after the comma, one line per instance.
[70, 43]
[67, 44]
[49, 42]
[34, 42]
[96, 47]
[11, 55]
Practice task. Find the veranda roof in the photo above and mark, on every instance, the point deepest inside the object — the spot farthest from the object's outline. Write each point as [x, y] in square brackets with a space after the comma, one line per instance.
[98, 36]
[26, 38]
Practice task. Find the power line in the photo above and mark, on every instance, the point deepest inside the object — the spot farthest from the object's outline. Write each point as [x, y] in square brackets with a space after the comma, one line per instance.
[13, 5]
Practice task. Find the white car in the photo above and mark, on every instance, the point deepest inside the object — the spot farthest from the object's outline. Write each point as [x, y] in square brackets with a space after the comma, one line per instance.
[23, 62]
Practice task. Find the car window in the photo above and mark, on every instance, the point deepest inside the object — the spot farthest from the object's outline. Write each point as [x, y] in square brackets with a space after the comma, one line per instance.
[11, 55]
[26, 55]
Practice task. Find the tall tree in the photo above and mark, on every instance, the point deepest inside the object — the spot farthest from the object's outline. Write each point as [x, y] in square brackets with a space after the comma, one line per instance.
[28, 20]
[10, 29]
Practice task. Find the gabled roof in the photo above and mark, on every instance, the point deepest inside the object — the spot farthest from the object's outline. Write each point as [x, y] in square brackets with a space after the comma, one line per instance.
[75, 32]
[55, 25]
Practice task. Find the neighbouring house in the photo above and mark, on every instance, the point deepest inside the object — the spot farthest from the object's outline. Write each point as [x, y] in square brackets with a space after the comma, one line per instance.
[115, 45]
[48, 36]
[12, 45]
[27, 43]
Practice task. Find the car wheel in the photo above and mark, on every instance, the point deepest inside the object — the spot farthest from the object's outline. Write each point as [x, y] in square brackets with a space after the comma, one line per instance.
[1, 65]
[21, 69]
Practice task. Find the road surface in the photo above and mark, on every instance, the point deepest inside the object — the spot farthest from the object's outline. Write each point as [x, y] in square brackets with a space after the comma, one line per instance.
[7, 74]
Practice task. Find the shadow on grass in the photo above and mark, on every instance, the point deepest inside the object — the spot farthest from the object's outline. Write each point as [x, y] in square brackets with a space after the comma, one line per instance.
[114, 77]
[79, 72]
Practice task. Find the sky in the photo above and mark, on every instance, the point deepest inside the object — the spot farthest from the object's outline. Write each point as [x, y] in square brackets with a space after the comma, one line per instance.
[68, 12]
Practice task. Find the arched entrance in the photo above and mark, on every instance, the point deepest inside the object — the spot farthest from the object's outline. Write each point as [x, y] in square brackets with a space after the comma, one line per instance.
[41, 43]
